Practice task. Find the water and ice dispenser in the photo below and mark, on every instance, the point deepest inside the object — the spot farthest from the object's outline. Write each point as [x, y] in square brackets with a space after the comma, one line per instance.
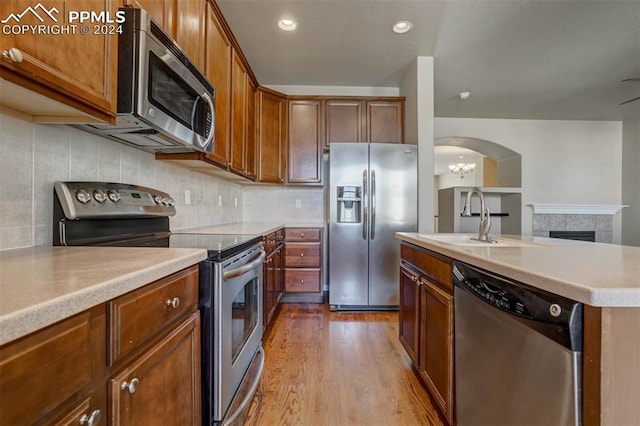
[349, 204]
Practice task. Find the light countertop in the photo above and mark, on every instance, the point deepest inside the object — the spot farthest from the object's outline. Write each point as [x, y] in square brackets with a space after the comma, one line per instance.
[42, 285]
[605, 275]
[245, 228]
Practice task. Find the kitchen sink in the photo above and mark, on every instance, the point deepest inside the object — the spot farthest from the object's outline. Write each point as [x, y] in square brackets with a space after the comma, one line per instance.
[467, 240]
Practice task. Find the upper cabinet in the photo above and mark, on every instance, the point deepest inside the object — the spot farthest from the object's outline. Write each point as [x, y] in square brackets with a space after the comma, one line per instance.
[218, 71]
[272, 134]
[305, 142]
[238, 112]
[161, 11]
[79, 70]
[250, 141]
[364, 120]
[188, 29]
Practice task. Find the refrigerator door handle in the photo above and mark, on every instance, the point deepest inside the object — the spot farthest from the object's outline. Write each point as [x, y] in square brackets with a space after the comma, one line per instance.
[373, 204]
[364, 204]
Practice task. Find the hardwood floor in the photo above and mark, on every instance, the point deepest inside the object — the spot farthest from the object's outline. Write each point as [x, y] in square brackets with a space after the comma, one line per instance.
[338, 368]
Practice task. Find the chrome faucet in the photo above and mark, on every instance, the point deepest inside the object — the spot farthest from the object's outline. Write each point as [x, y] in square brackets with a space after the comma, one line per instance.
[485, 215]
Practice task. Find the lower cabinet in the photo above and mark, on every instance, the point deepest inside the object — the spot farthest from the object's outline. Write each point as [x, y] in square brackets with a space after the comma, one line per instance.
[71, 373]
[272, 275]
[426, 321]
[303, 260]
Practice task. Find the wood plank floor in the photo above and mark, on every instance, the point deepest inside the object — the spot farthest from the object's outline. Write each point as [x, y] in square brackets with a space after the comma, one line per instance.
[338, 368]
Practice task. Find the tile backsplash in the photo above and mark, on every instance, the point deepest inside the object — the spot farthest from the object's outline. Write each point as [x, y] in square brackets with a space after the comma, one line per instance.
[283, 204]
[34, 156]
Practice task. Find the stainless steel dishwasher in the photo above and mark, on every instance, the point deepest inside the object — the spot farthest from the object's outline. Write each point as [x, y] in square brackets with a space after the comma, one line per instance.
[518, 352]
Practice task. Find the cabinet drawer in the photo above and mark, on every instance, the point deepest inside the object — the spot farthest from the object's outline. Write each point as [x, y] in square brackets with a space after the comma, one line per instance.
[137, 316]
[302, 280]
[302, 255]
[40, 372]
[436, 267]
[302, 234]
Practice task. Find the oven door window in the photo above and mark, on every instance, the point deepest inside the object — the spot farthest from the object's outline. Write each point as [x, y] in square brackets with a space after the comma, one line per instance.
[244, 316]
[169, 92]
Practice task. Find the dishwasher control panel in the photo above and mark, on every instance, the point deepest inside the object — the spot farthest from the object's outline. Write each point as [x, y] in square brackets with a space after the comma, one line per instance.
[497, 297]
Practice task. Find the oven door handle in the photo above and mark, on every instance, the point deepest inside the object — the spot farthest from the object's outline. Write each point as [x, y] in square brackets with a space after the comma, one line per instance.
[227, 275]
[252, 390]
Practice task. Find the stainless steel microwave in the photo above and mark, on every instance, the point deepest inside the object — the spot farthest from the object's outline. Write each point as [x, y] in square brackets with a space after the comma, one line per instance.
[165, 104]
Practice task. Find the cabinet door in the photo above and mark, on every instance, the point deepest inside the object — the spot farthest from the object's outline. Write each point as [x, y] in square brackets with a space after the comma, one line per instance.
[409, 302]
[250, 147]
[271, 138]
[163, 385]
[238, 112]
[278, 267]
[218, 72]
[269, 288]
[344, 121]
[77, 69]
[188, 33]
[436, 344]
[385, 121]
[305, 147]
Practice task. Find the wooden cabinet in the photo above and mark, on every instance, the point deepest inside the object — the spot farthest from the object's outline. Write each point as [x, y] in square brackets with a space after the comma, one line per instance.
[243, 139]
[272, 272]
[272, 133]
[188, 29]
[305, 142]
[303, 260]
[52, 373]
[385, 121]
[250, 142]
[163, 385]
[79, 70]
[364, 120]
[426, 321]
[218, 71]
[132, 360]
[161, 11]
[344, 121]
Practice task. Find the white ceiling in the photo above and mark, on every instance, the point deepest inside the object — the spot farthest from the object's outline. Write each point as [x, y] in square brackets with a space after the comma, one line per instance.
[529, 59]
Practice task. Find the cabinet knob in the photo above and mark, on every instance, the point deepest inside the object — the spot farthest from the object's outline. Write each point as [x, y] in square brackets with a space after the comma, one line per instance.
[91, 419]
[301, 254]
[301, 281]
[13, 54]
[302, 235]
[173, 303]
[130, 386]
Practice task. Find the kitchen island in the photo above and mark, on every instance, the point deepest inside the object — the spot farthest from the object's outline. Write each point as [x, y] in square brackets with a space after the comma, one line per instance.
[605, 277]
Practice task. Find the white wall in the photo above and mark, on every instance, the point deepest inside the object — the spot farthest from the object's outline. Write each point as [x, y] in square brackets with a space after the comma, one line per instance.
[417, 87]
[631, 182]
[34, 156]
[562, 161]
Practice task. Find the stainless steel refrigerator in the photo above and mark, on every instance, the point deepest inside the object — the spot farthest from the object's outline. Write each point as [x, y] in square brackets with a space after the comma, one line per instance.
[373, 194]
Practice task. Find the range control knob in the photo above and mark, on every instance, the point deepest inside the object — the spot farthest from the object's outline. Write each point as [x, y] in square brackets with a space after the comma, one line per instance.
[165, 201]
[172, 202]
[157, 199]
[99, 195]
[83, 196]
[114, 195]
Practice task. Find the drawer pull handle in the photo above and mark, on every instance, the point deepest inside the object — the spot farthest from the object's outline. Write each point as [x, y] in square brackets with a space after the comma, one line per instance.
[173, 303]
[130, 386]
[13, 54]
[91, 419]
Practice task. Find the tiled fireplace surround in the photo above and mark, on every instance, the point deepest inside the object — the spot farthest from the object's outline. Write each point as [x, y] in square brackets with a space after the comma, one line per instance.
[602, 224]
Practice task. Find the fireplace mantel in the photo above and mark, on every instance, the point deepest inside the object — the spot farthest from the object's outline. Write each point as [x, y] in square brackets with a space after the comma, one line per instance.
[604, 209]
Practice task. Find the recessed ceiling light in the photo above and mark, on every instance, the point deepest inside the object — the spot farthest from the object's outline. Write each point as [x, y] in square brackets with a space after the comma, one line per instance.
[287, 24]
[402, 27]
[464, 95]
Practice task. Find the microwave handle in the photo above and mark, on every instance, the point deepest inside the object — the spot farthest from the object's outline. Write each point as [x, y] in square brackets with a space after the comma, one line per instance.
[206, 143]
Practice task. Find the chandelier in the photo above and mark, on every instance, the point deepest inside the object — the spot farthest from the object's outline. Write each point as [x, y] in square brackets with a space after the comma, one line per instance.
[461, 168]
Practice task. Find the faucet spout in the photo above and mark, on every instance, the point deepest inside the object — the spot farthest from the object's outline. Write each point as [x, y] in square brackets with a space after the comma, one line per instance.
[485, 214]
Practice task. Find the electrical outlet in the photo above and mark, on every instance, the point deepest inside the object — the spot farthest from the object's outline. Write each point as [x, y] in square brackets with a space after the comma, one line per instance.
[235, 202]
[187, 197]
[298, 204]
[219, 200]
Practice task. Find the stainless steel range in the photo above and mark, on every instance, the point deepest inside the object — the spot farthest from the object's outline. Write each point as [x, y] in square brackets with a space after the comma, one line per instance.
[230, 287]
